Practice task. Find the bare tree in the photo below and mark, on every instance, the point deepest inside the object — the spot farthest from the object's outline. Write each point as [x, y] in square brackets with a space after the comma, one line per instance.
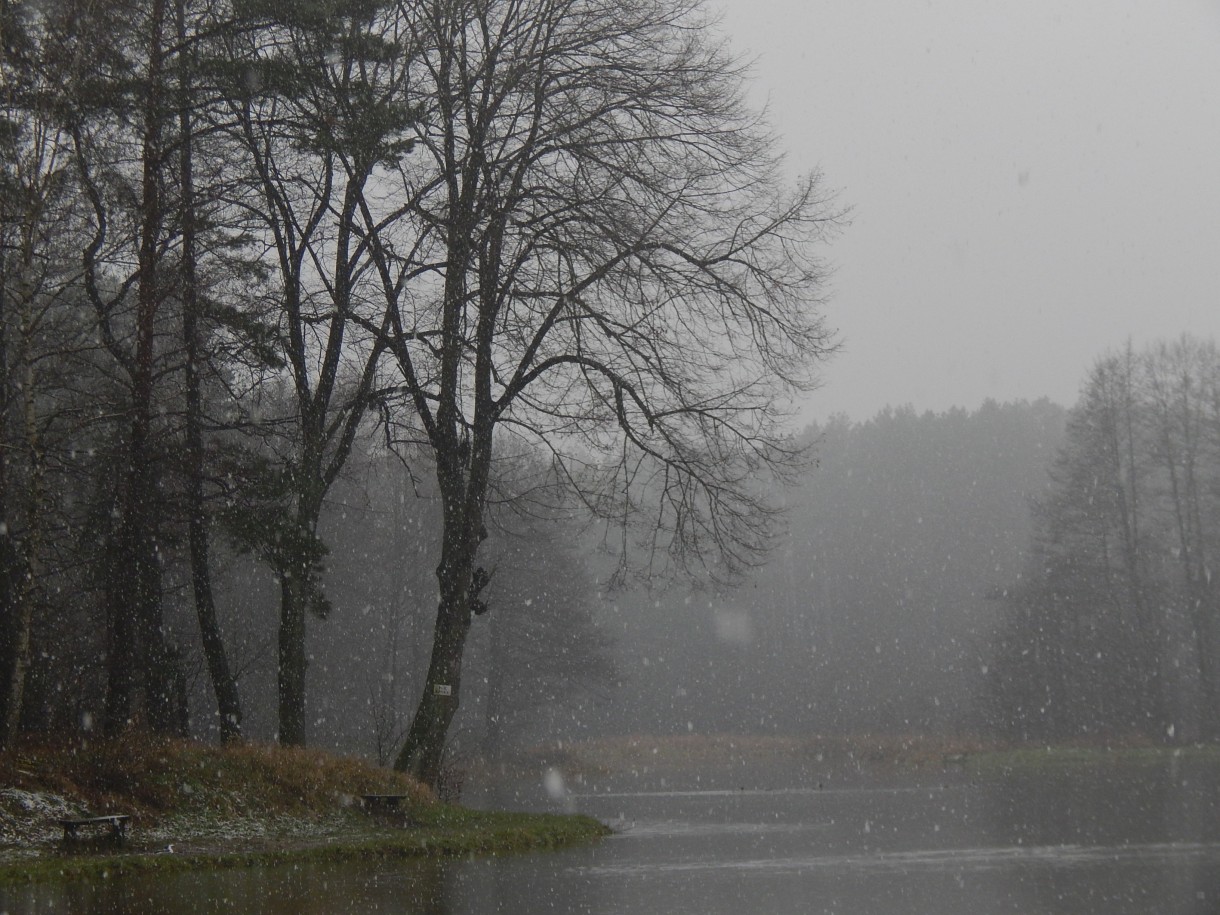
[319, 106]
[220, 674]
[1119, 610]
[119, 89]
[38, 328]
[114, 109]
[609, 269]
[1180, 392]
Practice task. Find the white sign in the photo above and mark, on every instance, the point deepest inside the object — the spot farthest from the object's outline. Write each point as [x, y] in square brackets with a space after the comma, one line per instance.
[443, 689]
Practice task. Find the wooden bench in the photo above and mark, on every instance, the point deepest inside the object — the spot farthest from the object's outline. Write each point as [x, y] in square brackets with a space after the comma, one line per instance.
[382, 803]
[116, 821]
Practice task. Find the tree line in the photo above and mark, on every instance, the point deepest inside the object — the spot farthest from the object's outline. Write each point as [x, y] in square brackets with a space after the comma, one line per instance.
[874, 613]
[1019, 571]
[540, 250]
[1112, 627]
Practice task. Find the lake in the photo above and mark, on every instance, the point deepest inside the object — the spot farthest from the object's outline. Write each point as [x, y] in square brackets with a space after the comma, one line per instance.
[1113, 840]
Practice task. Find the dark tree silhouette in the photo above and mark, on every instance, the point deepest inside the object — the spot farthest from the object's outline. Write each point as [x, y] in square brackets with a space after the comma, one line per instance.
[613, 273]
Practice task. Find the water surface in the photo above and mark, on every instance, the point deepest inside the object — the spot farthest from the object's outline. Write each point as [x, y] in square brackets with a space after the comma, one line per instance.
[1110, 841]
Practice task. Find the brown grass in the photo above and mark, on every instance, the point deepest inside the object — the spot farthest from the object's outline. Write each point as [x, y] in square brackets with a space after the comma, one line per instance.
[696, 752]
[816, 755]
[202, 806]
[152, 776]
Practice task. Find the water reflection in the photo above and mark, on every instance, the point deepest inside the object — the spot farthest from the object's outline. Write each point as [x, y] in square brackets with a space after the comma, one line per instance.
[1129, 841]
[408, 888]
[1068, 843]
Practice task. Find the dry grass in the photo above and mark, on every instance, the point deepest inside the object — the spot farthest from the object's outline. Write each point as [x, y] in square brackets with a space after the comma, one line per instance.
[817, 757]
[155, 777]
[704, 752]
[200, 806]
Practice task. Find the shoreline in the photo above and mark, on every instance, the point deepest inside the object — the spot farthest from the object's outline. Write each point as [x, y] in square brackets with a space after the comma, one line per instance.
[455, 831]
[202, 806]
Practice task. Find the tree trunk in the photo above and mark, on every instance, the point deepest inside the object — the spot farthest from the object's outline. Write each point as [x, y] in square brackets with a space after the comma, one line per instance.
[134, 591]
[15, 625]
[424, 750]
[295, 568]
[21, 559]
[121, 656]
[8, 552]
[228, 701]
[9, 681]
[1204, 613]
[292, 662]
[17, 557]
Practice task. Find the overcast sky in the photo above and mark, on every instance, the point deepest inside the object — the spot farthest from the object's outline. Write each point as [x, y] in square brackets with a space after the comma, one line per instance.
[1032, 183]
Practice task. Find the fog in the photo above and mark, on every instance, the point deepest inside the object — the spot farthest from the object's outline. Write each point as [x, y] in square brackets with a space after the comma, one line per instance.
[1030, 184]
[1029, 188]
[876, 613]
[787, 430]
[988, 232]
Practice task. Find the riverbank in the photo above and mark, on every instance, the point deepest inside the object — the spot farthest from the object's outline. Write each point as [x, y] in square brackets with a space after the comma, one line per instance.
[195, 805]
[731, 761]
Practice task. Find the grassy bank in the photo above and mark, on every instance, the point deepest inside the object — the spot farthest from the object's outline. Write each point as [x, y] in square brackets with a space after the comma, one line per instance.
[195, 805]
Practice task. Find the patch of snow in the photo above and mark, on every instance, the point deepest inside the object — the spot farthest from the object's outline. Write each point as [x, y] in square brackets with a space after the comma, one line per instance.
[30, 816]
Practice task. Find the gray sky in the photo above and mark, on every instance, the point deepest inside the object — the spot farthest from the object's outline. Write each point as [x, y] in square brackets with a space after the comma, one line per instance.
[1032, 183]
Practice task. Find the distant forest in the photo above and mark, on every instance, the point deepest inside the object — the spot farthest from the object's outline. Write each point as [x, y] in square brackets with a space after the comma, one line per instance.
[877, 612]
[1112, 626]
[1018, 572]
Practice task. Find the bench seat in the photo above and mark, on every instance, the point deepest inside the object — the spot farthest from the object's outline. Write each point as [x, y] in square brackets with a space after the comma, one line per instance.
[116, 821]
[382, 803]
